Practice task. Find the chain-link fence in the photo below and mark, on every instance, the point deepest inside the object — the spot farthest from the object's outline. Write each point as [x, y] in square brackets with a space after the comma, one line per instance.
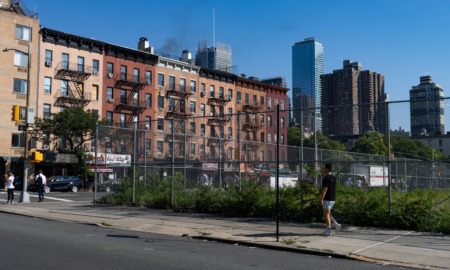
[219, 149]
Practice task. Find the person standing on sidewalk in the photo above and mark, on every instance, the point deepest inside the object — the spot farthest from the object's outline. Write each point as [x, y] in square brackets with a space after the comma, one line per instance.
[327, 200]
[40, 182]
[9, 182]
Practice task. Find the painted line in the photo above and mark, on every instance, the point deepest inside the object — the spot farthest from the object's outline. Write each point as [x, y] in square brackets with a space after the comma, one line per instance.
[47, 197]
[379, 243]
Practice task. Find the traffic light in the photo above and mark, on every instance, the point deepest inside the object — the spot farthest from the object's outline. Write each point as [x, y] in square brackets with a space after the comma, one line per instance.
[37, 157]
[16, 113]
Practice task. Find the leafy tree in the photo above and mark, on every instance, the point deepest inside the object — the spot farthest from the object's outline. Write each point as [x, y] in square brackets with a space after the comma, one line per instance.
[293, 136]
[323, 143]
[408, 148]
[372, 143]
[74, 126]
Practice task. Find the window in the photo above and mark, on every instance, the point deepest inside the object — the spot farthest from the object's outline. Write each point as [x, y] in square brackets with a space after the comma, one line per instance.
[230, 133]
[65, 61]
[80, 64]
[18, 140]
[148, 77]
[202, 109]
[95, 91]
[212, 90]
[171, 82]
[261, 100]
[203, 87]
[269, 120]
[238, 96]
[23, 32]
[269, 138]
[192, 149]
[48, 56]
[247, 98]
[281, 104]
[109, 116]
[47, 110]
[148, 145]
[20, 86]
[159, 146]
[202, 130]
[275, 102]
[123, 96]
[148, 100]
[275, 138]
[20, 59]
[282, 122]
[109, 93]
[136, 75]
[269, 155]
[255, 98]
[123, 72]
[193, 86]
[160, 101]
[64, 92]
[221, 93]
[160, 79]
[261, 155]
[261, 119]
[47, 85]
[262, 136]
[230, 111]
[192, 128]
[110, 69]
[160, 126]
[95, 66]
[269, 103]
[282, 139]
[183, 85]
[122, 119]
[171, 104]
[192, 105]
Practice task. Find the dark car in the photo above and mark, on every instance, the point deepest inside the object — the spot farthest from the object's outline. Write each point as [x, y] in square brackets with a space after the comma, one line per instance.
[108, 186]
[63, 183]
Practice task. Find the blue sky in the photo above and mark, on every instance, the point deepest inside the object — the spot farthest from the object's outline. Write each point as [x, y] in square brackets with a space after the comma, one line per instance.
[401, 39]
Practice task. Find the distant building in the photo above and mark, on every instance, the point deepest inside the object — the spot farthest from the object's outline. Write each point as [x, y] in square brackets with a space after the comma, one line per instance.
[307, 67]
[218, 58]
[353, 101]
[400, 132]
[427, 108]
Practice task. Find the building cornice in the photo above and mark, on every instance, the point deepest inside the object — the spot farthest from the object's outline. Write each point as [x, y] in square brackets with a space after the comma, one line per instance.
[71, 41]
[177, 65]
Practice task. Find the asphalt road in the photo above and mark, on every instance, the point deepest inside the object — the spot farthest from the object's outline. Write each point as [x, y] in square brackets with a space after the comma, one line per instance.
[31, 243]
[56, 196]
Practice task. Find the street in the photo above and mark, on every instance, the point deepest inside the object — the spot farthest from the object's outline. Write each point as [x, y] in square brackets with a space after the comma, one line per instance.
[56, 196]
[32, 243]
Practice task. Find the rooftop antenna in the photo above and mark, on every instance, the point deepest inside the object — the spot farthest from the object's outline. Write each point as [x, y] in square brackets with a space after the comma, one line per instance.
[214, 29]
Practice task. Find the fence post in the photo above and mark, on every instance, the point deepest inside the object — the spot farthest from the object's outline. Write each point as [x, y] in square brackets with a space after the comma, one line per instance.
[278, 169]
[134, 163]
[186, 148]
[239, 148]
[173, 161]
[389, 160]
[95, 162]
[301, 165]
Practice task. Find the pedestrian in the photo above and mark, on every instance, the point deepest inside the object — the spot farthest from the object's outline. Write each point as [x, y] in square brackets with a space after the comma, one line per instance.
[40, 183]
[9, 183]
[327, 200]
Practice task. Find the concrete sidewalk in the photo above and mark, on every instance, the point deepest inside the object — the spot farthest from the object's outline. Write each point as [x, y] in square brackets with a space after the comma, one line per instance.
[405, 248]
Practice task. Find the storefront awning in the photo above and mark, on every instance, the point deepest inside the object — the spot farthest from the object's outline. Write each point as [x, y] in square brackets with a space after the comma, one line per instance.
[101, 168]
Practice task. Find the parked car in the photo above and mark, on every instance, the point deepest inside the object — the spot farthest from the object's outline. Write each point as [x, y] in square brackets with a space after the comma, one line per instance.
[108, 186]
[63, 183]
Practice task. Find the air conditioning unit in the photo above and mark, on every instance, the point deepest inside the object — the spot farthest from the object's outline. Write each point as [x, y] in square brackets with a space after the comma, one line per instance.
[110, 100]
[93, 149]
[147, 126]
[202, 94]
[149, 82]
[160, 87]
[160, 155]
[230, 98]
[239, 101]
[108, 150]
[48, 63]
[45, 146]
[95, 72]
[110, 75]
[230, 137]
[148, 152]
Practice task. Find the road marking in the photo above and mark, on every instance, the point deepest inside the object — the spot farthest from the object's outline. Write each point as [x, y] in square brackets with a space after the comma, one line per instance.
[379, 243]
[50, 198]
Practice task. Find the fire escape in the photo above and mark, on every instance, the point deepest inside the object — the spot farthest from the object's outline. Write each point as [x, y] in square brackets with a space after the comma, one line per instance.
[177, 136]
[129, 104]
[251, 125]
[217, 122]
[72, 94]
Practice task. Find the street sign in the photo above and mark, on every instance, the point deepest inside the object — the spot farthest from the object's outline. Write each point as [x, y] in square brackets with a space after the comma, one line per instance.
[22, 127]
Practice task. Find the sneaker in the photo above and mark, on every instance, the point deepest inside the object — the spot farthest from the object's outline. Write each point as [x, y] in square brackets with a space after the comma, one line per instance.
[328, 232]
[337, 227]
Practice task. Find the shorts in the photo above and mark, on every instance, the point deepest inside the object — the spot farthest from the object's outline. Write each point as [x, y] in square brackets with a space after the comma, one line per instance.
[328, 204]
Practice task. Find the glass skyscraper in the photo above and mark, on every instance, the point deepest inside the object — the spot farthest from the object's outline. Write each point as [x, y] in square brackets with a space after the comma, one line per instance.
[307, 66]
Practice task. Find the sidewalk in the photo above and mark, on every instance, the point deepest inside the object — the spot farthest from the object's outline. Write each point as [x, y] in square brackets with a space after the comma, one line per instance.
[405, 248]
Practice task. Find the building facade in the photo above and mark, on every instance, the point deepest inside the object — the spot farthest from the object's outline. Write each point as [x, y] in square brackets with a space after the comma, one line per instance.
[217, 57]
[353, 101]
[427, 108]
[19, 36]
[307, 67]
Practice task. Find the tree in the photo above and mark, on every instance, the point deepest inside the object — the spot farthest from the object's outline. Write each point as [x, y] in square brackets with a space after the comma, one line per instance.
[74, 126]
[293, 136]
[323, 143]
[372, 143]
[408, 148]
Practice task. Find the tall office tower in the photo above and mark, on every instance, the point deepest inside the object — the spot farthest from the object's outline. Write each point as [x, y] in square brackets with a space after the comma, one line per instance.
[218, 58]
[307, 67]
[427, 108]
[353, 101]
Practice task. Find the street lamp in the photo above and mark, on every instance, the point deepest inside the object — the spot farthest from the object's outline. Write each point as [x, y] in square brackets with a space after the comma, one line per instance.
[24, 196]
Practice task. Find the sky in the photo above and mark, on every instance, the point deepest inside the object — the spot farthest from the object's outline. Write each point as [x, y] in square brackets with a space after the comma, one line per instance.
[400, 39]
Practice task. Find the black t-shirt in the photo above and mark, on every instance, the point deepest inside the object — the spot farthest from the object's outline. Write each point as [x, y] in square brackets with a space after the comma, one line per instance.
[329, 182]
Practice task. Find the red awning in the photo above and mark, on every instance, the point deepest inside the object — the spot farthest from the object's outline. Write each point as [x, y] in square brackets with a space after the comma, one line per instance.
[101, 168]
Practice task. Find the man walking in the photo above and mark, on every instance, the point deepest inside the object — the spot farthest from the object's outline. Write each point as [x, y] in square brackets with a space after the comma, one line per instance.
[40, 182]
[327, 200]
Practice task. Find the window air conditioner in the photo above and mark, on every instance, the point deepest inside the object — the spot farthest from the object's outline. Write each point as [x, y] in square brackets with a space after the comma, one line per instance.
[149, 82]
[110, 100]
[48, 63]
[239, 101]
[95, 72]
[108, 150]
[160, 88]
[45, 146]
[110, 75]
[202, 94]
